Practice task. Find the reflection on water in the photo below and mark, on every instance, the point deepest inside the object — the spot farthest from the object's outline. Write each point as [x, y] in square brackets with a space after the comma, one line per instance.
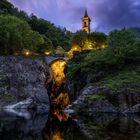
[15, 128]
[59, 126]
[112, 127]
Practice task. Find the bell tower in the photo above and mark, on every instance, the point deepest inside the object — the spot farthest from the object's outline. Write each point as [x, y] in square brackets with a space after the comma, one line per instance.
[86, 22]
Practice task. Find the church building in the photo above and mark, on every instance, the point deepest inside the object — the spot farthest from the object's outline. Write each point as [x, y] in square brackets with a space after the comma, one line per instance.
[86, 22]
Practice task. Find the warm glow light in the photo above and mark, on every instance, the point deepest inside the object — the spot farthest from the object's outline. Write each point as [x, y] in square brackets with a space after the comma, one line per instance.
[56, 135]
[103, 46]
[62, 64]
[58, 72]
[47, 53]
[75, 49]
[16, 53]
[58, 77]
[60, 115]
[27, 53]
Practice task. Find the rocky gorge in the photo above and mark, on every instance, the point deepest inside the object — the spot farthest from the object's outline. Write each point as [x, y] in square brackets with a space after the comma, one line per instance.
[22, 85]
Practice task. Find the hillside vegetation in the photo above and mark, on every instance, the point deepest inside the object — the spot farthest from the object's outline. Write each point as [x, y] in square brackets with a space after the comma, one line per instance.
[48, 36]
[115, 66]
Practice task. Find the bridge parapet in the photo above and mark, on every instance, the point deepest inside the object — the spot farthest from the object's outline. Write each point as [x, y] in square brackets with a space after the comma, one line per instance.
[49, 60]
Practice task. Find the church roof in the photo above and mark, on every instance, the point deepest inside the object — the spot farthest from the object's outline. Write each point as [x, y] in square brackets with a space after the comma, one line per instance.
[86, 13]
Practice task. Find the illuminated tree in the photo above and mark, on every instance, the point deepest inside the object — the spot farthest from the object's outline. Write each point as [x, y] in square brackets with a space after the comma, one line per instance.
[79, 39]
[46, 47]
[94, 40]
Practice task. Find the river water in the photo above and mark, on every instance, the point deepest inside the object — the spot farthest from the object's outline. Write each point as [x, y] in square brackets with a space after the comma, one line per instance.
[59, 126]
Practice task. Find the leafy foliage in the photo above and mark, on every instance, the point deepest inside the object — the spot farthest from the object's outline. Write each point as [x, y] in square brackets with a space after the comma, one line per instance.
[58, 36]
[128, 78]
[6, 8]
[79, 39]
[45, 47]
[16, 35]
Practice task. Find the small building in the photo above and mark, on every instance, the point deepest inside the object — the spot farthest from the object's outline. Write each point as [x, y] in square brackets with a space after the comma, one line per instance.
[59, 51]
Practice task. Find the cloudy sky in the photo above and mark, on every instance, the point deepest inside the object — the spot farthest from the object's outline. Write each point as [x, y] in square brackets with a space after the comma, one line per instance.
[105, 14]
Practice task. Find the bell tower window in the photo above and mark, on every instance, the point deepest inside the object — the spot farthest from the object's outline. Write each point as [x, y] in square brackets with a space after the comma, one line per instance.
[85, 24]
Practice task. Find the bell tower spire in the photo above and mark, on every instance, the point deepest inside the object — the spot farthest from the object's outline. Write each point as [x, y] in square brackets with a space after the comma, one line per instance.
[86, 22]
[86, 14]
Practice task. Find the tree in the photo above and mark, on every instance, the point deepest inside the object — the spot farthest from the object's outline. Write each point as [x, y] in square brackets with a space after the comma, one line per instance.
[6, 7]
[46, 47]
[132, 54]
[96, 40]
[16, 35]
[79, 39]
[118, 41]
[58, 36]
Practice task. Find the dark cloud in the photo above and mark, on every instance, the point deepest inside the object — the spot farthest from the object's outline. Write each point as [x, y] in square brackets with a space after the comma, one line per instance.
[105, 14]
[116, 14]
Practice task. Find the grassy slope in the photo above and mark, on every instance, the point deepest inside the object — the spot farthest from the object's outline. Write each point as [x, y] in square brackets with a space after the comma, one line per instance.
[128, 78]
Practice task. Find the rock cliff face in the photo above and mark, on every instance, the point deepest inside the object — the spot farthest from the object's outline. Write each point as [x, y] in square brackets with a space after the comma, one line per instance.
[94, 99]
[22, 84]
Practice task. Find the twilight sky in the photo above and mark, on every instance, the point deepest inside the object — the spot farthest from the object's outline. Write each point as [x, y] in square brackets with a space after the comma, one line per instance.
[105, 14]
